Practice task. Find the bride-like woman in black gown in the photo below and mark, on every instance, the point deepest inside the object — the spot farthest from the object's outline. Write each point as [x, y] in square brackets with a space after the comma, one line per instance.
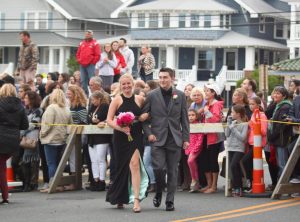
[131, 180]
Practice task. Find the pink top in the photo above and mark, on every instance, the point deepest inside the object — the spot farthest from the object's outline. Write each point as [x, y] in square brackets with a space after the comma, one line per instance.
[214, 115]
[264, 128]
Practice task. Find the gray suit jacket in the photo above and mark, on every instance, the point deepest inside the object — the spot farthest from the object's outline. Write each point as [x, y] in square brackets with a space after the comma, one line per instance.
[162, 118]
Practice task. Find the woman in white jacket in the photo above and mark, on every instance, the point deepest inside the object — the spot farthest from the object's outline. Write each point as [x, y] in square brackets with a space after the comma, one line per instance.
[105, 66]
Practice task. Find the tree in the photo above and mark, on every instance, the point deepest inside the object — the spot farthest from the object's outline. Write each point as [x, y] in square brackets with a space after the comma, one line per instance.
[272, 80]
[73, 65]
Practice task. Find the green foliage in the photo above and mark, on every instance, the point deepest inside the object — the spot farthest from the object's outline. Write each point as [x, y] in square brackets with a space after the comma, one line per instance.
[73, 65]
[272, 80]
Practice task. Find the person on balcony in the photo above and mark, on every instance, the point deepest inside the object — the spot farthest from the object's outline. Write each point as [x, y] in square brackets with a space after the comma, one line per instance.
[28, 58]
[146, 64]
[88, 54]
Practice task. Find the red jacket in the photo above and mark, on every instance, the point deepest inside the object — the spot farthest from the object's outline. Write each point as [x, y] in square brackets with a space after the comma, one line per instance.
[120, 61]
[215, 116]
[88, 52]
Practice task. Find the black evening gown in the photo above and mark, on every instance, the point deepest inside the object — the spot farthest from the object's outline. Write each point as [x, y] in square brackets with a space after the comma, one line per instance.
[120, 191]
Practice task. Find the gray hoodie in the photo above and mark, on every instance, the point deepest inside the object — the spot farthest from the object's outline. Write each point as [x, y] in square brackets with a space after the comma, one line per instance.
[236, 134]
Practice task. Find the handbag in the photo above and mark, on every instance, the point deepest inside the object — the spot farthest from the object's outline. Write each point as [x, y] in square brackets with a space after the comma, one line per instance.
[28, 143]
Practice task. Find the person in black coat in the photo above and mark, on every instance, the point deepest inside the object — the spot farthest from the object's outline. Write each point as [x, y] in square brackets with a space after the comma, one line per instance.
[12, 119]
[280, 134]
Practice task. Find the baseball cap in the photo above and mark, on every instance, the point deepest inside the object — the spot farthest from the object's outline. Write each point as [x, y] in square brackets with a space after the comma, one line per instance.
[214, 87]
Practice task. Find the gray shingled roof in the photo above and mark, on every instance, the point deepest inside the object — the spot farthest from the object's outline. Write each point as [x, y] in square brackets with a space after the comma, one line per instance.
[183, 5]
[229, 40]
[11, 39]
[92, 9]
[262, 7]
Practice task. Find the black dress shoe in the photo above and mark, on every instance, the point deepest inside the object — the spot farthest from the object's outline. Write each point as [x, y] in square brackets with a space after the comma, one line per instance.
[157, 199]
[170, 206]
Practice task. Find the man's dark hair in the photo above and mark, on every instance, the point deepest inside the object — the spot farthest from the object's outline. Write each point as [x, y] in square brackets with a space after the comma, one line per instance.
[168, 70]
[253, 84]
[125, 41]
[25, 33]
[38, 75]
[8, 79]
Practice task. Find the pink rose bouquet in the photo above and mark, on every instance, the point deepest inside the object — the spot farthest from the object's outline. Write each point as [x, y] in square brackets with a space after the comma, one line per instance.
[125, 119]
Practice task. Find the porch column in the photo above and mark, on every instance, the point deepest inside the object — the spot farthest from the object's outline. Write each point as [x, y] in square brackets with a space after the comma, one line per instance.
[171, 57]
[51, 59]
[67, 56]
[61, 60]
[250, 58]
[292, 52]
[293, 22]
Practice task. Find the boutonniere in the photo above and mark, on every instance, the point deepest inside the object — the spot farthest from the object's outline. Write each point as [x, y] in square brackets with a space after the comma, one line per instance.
[175, 96]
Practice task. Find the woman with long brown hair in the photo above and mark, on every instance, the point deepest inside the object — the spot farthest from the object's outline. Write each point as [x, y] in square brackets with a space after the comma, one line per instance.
[77, 102]
[98, 144]
[105, 66]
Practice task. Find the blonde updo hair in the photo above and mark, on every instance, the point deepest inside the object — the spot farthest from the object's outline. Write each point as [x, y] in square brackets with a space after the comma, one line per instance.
[8, 90]
[58, 97]
[126, 76]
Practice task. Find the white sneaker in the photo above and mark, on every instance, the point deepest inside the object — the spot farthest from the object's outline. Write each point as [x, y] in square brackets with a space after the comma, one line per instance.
[295, 195]
[44, 187]
[295, 181]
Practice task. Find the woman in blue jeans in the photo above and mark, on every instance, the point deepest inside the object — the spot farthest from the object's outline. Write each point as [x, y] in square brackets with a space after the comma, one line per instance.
[52, 136]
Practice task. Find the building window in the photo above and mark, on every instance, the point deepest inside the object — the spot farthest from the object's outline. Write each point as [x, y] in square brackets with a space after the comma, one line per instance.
[227, 21]
[110, 29]
[207, 21]
[83, 26]
[36, 20]
[1, 56]
[181, 20]
[166, 20]
[279, 29]
[195, 20]
[205, 59]
[266, 57]
[153, 20]
[141, 20]
[297, 53]
[221, 21]
[262, 25]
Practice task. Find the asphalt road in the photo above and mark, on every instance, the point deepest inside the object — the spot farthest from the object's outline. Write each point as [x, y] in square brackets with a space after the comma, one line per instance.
[85, 206]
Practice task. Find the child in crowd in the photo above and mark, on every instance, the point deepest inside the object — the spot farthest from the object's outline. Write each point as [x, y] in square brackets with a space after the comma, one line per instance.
[254, 103]
[236, 133]
[193, 151]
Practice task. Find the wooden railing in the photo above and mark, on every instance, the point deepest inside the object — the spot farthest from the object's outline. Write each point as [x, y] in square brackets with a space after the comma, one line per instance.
[44, 68]
[234, 75]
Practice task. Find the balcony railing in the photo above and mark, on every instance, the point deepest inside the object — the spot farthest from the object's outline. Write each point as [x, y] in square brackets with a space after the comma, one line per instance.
[234, 75]
[44, 68]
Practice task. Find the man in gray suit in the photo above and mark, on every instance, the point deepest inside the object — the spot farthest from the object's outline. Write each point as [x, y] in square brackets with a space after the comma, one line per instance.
[168, 132]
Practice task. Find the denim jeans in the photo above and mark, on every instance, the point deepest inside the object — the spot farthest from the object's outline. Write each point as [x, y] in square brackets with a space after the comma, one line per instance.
[52, 153]
[282, 156]
[145, 77]
[86, 73]
[148, 163]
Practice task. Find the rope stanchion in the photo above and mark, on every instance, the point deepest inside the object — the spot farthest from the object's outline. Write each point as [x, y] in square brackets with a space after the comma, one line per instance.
[258, 185]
